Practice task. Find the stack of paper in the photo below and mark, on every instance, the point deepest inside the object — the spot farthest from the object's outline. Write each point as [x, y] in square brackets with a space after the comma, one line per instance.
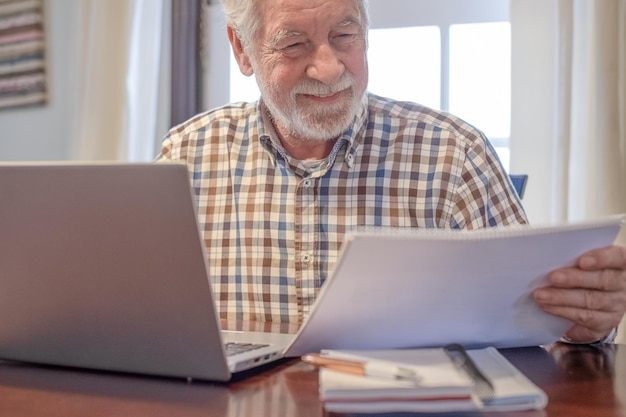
[442, 387]
[430, 287]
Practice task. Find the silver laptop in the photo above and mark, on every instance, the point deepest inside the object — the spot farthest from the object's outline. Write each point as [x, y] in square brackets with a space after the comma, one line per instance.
[102, 266]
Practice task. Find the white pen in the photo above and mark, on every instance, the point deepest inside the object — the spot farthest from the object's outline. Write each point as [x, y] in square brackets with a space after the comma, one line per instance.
[376, 368]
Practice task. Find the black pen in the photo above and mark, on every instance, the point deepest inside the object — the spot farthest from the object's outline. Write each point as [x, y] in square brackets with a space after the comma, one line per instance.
[459, 356]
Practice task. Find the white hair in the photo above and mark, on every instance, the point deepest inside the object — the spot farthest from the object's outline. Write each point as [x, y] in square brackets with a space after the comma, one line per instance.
[244, 17]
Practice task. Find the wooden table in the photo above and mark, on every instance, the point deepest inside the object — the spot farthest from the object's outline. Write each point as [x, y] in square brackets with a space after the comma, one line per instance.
[581, 381]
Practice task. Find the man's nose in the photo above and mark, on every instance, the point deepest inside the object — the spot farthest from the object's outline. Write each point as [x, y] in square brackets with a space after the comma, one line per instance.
[325, 65]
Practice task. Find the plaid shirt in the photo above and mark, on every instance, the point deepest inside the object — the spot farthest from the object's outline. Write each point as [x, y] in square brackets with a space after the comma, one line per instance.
[273, 225]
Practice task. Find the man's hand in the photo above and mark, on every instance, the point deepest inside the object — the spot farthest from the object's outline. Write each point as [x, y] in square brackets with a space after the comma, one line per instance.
[592, 294]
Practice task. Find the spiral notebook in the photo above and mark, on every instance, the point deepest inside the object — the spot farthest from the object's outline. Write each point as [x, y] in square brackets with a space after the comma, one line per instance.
[406, 288]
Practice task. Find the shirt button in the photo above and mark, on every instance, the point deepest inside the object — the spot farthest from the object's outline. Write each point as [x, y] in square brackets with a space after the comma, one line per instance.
[306, 183]
[350, 160]
[306, 258]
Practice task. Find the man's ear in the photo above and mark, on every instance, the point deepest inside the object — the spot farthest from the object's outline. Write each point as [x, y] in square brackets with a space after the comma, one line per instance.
[243, 60]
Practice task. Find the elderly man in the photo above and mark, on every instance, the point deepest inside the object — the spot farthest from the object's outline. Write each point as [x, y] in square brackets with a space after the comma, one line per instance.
[280, 181]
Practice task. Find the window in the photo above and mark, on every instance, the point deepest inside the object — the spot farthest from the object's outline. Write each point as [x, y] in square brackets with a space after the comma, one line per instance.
[480, 79]
[453, 55]
[400, 73]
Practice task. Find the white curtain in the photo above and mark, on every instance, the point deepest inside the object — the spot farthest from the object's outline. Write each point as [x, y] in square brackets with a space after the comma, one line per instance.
[120, 44]
[569, 108]
[591, 108]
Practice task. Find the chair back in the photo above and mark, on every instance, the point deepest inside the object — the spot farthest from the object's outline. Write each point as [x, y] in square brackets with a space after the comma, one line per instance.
[519, 182]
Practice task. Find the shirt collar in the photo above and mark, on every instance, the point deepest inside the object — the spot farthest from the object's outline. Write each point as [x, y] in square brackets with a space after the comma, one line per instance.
[350, 139]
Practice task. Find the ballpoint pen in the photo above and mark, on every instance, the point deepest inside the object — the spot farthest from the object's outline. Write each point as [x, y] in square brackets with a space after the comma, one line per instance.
[376, 368]
[459, 356]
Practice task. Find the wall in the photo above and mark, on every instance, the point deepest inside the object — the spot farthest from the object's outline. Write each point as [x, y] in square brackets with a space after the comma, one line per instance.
[44, 132]
[49, 132]
[533, 81]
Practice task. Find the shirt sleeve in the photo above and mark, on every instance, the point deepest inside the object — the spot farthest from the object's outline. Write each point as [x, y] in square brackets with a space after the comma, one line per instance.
[485, 196]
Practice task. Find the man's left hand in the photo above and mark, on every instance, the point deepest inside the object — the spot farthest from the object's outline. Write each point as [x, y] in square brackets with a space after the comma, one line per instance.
[592, 294]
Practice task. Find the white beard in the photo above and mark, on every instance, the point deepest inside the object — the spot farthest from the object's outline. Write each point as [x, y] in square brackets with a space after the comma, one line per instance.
[321, 122]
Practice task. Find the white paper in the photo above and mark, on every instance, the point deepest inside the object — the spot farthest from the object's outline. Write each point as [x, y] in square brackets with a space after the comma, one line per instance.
[427, 288]
[512, 389]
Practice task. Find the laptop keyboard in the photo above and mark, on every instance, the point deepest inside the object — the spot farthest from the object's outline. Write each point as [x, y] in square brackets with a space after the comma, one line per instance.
[234, 348]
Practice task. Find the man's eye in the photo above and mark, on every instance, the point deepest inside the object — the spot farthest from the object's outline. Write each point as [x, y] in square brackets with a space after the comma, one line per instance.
[294, 45]
[293, 49]
[344, 38]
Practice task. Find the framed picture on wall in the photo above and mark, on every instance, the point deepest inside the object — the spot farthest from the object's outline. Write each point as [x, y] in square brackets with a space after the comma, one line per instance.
[22, 53]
